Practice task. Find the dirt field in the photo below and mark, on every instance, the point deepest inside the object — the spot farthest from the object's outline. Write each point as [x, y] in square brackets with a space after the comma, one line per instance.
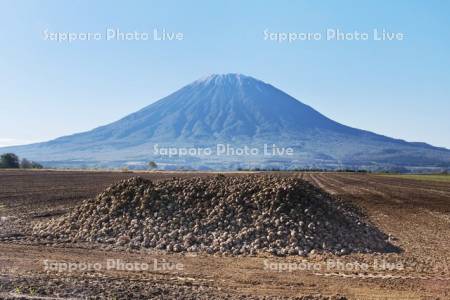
[416, 213]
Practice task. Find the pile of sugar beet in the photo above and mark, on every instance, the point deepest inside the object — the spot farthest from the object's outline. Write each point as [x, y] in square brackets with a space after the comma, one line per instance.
[238, 215]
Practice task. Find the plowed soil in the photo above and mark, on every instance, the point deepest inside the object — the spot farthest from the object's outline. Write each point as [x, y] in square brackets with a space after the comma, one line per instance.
[415, 213]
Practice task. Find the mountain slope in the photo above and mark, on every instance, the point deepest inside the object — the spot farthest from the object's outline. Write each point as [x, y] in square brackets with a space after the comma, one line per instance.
[239, 110]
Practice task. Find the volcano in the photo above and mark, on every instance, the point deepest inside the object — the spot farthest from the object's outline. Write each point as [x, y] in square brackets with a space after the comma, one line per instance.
[236, 110]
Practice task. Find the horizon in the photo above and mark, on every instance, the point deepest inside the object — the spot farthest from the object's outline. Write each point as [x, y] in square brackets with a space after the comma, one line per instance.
[397, 88]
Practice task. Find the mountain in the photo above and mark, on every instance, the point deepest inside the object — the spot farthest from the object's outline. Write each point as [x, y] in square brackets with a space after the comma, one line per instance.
[239, 111]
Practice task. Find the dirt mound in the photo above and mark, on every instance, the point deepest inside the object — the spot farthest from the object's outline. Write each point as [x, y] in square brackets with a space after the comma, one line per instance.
[235, 215]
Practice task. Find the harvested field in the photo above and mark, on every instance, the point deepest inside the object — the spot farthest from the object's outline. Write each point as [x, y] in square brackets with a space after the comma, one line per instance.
[415, 215]
[428, 177]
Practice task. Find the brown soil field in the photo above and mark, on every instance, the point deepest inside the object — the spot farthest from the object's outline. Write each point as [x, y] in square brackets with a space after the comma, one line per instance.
[415, 213]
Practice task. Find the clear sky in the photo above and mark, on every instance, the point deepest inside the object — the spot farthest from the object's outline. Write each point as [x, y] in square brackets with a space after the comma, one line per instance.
[398, 88]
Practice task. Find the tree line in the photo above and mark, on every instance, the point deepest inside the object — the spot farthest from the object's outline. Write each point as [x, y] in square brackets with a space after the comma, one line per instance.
[12, 161]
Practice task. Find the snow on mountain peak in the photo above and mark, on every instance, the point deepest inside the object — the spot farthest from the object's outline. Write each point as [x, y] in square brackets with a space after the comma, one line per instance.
[225, 78]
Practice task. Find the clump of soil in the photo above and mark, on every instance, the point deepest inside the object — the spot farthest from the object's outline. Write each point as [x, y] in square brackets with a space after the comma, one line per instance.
[237, 215]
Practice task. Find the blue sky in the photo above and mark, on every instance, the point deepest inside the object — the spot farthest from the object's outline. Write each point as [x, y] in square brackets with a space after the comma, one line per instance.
[397, 88]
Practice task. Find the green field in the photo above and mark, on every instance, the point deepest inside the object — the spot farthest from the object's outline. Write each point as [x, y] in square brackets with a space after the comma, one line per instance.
[432, 177]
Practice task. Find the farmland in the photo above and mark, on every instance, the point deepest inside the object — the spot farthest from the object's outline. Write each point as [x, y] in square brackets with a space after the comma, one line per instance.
[430, 177]
[414, 213]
